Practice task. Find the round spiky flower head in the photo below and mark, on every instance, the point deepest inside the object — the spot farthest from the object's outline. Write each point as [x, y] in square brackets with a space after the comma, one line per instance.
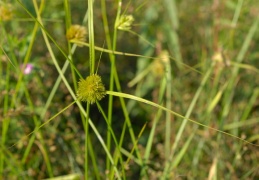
[91, 89]
[76, 32]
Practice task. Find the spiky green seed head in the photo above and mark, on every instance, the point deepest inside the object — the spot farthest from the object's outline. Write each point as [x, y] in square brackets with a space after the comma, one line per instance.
[91, 89]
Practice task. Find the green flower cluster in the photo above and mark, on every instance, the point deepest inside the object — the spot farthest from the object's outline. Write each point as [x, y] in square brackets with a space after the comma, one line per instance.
[76, 32]
[91, 89]
[125, 22]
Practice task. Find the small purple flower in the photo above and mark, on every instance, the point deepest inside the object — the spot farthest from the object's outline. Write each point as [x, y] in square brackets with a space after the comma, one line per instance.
[27, 69]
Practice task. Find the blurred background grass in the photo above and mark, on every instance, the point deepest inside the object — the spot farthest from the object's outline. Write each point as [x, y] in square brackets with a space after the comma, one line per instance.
[194, 34]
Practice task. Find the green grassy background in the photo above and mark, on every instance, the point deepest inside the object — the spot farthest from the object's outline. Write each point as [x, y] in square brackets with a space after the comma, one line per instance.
[210, 75]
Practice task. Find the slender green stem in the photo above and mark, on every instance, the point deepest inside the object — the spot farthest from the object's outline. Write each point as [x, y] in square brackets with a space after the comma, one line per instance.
[43, 148]
[228, 96]
[94, 160]
[156, 119]
[6, 119]
[70, 50]
[106, 26]
[111, 83]
[112, 58]
[36, 122]
[128, 96]
[92, 65]
[118, 145]
[91, 35]
[86, 140]
[149, 144]
[112, 76]
[168, 165]
[40, 136]
[168, 106]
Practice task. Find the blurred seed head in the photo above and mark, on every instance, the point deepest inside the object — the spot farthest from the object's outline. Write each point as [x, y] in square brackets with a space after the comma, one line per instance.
[160, 64]
[76, 32]
[6, 12]
[125, 22]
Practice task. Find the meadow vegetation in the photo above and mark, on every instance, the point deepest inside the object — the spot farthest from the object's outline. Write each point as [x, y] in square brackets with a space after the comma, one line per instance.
[127, 89]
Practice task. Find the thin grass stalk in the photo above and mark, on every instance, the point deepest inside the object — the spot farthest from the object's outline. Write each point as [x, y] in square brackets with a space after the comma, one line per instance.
[64, 68]
[168, 165]
[12, 163]
[250, 104]
[171, 11]
[91, 36]
[183, 150]
[228, 96]
[229, 93]
[230, 90]
[6, 120]
[112, 59]
[197, 154]
[118, 145]
[94, 160]
[132, 97]
[113, 52]
[127, 122]
[168, 130]
[135, 147]
[27, 56]
[117, 153]
[106, 27]
[39, 133]
[67, 13]
[144, 166]
[111, 83]
[86, 128]
[6, 98]
[234, 22]
[4, 112]
[149, 144]
[32, 138]
[92, 67]
[68, 24]
[127, 118]
[37, 123]
[26, 59]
